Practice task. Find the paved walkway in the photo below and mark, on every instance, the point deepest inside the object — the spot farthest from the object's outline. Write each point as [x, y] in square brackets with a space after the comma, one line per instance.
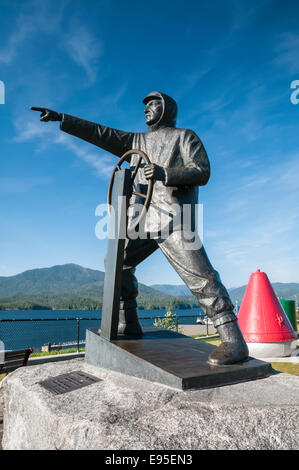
[198, 329]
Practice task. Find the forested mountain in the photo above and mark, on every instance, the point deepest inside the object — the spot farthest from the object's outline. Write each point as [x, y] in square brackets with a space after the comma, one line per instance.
[288, 291]
[54, 280]
[71, 286]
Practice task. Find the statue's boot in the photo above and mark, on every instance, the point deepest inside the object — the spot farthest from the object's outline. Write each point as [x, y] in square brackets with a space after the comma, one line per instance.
[232, 348]
[128, 321]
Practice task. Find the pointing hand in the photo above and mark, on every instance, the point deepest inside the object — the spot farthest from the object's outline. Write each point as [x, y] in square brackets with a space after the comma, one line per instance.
[47, 114]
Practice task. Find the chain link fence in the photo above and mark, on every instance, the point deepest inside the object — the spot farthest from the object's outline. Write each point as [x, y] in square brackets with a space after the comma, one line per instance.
[45, 334]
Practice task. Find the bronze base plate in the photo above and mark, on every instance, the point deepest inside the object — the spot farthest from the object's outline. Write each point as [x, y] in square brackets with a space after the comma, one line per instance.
[168, 358]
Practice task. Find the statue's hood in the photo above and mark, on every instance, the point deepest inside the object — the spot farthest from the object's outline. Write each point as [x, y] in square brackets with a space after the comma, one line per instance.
[170, 110]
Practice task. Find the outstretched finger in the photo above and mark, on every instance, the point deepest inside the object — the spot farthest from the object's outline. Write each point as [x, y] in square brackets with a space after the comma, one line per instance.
[41, 110]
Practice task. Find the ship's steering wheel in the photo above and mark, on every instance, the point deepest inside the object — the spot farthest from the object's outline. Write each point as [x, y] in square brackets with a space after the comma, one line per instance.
[147, 196]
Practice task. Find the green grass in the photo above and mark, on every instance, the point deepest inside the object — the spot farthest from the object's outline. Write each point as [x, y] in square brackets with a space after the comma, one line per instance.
[55, 352]
[201, 336]
[214, 341]
[286, 367]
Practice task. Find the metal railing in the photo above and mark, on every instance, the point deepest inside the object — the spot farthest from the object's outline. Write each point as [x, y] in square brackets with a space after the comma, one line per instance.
[64, 333]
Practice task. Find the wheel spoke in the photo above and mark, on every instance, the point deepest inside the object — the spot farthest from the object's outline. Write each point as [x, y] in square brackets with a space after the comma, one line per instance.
[136, 169]
[139, 194]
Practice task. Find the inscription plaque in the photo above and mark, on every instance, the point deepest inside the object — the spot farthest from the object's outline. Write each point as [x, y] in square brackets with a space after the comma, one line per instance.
[65, 383]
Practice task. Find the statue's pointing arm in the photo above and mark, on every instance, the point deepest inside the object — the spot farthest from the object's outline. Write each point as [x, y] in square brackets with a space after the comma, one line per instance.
[196, 169]
[111, 140]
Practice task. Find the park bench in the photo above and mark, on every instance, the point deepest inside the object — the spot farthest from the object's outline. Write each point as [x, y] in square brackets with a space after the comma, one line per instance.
[11, 360]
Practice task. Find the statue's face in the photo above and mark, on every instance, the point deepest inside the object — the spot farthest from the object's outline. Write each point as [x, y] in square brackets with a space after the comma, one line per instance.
[153, 111]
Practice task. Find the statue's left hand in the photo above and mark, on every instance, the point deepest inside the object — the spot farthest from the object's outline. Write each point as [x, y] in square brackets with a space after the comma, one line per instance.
[154, 172]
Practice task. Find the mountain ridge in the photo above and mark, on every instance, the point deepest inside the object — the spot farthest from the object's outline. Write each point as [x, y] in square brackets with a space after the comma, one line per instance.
[288, 290]
[73, 286]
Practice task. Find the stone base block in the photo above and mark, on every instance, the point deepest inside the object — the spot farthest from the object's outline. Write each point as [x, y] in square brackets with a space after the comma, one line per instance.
[121, 412]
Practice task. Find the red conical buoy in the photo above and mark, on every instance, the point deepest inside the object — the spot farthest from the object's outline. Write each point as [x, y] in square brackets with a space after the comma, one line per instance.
[261, 317]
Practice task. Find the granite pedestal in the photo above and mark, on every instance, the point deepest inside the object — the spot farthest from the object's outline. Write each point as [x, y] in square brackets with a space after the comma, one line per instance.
[122, 412]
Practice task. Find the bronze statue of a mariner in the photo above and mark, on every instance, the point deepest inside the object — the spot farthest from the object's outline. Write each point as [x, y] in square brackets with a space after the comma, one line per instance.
[179, 164]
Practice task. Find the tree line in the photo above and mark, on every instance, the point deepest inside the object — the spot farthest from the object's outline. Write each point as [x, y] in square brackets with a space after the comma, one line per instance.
[82, 302]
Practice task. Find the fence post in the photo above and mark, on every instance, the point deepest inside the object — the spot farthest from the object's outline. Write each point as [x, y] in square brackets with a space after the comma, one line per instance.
[78, 335]
[177, 324]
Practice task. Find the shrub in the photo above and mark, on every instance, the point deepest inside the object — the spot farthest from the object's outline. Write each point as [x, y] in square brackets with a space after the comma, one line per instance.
[169, 322]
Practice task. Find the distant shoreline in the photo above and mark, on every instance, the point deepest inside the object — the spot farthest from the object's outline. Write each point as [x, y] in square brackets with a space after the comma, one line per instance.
[90, 310]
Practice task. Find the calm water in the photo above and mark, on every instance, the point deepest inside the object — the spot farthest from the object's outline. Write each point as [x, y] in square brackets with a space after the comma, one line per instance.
[19, 334]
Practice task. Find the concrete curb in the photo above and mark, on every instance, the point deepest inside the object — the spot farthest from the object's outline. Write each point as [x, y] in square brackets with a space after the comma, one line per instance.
[54, 358]
[290, 359]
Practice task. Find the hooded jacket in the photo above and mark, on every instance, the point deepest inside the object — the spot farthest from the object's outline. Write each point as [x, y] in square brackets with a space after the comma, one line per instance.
[179, 151]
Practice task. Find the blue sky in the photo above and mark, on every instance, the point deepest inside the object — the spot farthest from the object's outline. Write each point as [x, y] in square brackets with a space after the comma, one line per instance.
[229, 65]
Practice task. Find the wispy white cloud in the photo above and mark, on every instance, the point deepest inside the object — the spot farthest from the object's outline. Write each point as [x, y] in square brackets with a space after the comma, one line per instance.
[112, 100]
[256, 182]
[35, 16]
[31, 130]
[45, 135]
[264, 222]
[103, 164]
[9, 51]
[83, 48]
[190, 80]
[246, 11]
[288, 52]
[272, 178]
[38, 18]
